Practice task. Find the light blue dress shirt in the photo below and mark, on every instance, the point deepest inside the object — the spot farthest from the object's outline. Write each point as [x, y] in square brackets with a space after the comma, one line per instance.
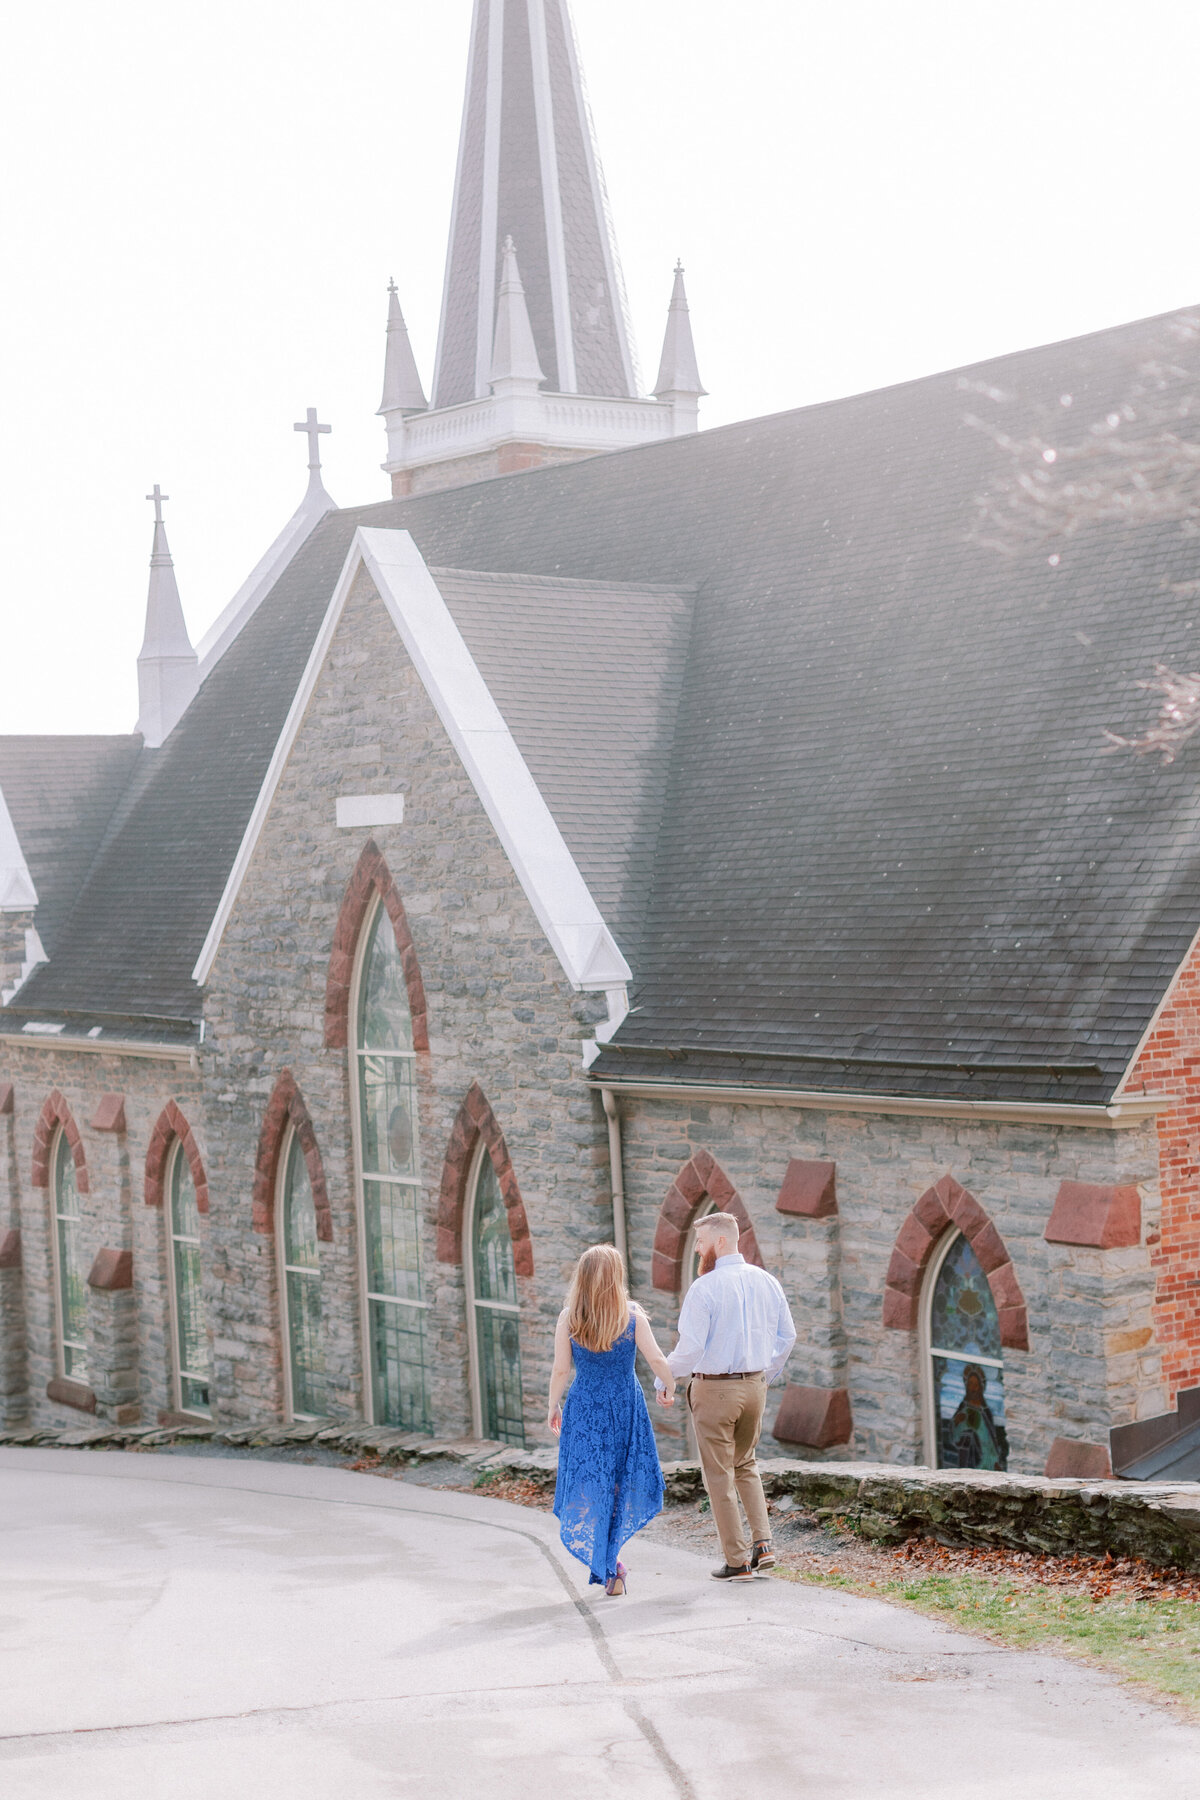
[734, 1318]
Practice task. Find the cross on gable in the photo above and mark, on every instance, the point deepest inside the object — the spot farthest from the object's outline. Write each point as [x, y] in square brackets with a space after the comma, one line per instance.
[158, 497]
[312, 431]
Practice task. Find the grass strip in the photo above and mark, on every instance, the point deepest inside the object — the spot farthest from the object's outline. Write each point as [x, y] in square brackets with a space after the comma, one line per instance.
[1155, 1642]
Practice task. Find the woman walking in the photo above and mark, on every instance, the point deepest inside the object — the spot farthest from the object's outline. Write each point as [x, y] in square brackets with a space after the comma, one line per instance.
[609, 1480]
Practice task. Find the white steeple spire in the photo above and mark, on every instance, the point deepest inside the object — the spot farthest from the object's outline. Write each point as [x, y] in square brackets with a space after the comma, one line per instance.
[527, 164]
[168, 669]
[402, 390]
[678, 375]
[515, 366]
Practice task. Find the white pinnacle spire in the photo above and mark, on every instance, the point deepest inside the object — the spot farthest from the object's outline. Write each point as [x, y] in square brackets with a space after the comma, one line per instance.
[402, 390]
[678, 375]
[514, 353]
[168, 670]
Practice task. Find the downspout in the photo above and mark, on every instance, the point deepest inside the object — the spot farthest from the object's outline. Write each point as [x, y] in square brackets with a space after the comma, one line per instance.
[617, 1172]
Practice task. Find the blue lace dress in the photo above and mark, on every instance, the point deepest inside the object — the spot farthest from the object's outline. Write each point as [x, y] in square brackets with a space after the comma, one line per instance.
[609, 1480]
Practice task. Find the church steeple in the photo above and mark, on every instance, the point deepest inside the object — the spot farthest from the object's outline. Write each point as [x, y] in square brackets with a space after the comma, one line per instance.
[538, 367]
[168, 669]
[679, 380]
[527, 168]
[514, 353]
[402, 390]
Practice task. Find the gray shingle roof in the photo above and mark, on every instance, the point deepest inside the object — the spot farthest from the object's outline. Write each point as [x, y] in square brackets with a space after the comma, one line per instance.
[890, 835]
[61, 792]
[588, 677]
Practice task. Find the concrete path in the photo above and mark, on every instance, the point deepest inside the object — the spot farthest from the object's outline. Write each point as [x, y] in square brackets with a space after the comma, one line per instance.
[188, 1629]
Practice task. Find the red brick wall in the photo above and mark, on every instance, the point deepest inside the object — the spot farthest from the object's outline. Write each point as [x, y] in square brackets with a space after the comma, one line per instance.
[1170, 1064]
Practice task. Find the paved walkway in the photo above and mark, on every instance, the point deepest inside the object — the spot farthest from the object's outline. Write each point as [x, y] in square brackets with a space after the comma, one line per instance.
[187, 1629]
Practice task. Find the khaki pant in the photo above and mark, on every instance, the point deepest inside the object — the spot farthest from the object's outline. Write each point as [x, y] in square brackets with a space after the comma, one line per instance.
[728, 1419]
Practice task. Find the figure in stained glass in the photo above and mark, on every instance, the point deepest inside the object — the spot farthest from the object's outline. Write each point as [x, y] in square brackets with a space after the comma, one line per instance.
[967, 1364]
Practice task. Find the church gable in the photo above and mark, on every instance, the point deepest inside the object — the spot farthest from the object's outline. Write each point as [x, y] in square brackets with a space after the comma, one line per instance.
[433, 650]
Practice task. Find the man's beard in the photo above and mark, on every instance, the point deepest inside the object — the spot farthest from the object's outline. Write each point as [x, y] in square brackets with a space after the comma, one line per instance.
[708, 1261]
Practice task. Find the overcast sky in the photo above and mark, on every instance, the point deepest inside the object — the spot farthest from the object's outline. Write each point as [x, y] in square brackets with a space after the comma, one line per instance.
[202, 206]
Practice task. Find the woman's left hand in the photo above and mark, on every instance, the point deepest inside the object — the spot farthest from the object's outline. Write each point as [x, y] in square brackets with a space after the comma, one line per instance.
[555, 1420]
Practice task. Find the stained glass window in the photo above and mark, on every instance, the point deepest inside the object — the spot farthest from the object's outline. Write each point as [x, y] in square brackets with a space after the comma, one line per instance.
[390, 1176]
[302, 1286]
[497, 1326]
[193, 1366]
[72, 1275]
[968, 1365]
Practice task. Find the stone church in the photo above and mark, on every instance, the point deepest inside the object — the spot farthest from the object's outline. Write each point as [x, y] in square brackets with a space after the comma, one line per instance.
[614, 822]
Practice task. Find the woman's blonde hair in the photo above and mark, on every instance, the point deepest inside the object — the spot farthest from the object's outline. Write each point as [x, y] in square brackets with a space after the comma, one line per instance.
[598, 1306]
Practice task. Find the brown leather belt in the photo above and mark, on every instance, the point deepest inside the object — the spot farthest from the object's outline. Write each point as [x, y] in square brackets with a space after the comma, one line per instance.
[737, 1375]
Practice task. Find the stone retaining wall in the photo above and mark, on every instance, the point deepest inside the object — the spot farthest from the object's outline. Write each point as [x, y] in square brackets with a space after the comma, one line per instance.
[1158, 1521]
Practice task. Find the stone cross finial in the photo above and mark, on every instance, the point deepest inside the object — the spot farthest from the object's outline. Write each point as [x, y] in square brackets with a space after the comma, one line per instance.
[312, 431]
[392, 288]
[158, 497]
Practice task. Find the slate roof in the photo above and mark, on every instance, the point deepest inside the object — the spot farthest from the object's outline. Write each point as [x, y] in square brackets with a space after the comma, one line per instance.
[588, 677]
[891, 846]
[61, 792]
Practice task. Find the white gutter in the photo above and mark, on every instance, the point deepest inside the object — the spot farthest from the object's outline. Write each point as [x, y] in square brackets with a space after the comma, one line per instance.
[1119, 1115]
[102, 1046]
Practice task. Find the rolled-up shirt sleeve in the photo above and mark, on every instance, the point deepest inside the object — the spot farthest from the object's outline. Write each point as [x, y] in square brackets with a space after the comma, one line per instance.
[693, 1332]
[785, 1337]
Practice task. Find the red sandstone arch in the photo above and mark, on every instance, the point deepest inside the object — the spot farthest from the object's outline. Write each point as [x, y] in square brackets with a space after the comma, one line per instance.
[54, 1113]
[286, 1108]
[944, 1205]
[371, 876]
[700, 1178]
[171, 1125]
[477, 1120]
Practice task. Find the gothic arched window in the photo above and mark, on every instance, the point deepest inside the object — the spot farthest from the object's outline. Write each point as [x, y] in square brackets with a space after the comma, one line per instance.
[70, 1269]
[964, 1403]
[389, 1183]
[300, 1285]
[494, 1313]
[193, 1365]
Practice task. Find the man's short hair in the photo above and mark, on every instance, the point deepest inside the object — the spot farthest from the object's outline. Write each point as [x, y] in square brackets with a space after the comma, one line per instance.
[723, 1223]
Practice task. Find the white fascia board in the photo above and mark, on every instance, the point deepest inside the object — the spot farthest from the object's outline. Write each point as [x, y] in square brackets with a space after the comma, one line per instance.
[519, 815]
[262, 578]
[17, 892]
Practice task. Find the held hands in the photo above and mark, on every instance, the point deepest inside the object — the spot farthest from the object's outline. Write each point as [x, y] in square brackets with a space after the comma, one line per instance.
[666, 1396]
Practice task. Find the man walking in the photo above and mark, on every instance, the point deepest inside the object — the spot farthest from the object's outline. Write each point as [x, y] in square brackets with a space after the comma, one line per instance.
[735, 1334]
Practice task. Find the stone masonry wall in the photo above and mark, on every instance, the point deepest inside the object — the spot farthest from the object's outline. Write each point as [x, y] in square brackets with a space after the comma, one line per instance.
[1093, 1361]
[1170, 1064]
[128, 1341]
[500, 1013]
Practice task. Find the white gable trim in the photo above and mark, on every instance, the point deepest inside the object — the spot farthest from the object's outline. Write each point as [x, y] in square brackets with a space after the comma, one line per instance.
[17, 892]
[520, 817]
[262, 578]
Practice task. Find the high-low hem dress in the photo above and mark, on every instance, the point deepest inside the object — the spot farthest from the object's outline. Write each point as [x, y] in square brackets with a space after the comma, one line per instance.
[609, 1478]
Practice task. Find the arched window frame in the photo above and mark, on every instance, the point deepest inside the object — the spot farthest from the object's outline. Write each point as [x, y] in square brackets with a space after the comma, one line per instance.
[481, 1157]
[376, 908]
[178, 1157]
[291, 1147]
[70, 1354]
[927, 1346]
